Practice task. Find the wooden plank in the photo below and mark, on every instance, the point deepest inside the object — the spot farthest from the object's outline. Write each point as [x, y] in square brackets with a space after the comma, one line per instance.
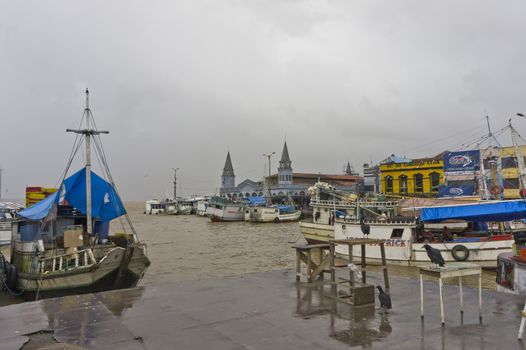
[318, 270]
[310, 246]
[305, 260]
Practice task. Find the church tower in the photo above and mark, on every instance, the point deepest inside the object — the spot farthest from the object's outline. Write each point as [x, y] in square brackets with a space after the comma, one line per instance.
[285, 169]
[228, 179]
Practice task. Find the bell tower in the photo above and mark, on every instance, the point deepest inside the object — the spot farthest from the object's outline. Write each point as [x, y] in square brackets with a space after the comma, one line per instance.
[285, 168]
[228, 179]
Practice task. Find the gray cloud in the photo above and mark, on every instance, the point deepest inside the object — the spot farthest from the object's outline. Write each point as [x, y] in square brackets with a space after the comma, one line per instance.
[178, 83]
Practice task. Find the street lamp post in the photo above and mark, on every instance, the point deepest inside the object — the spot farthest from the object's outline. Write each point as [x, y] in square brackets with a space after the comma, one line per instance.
[268, 179]
[268, 156]
[175, 182]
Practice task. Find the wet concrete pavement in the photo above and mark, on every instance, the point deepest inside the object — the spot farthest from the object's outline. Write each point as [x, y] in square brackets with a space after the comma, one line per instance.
[265, 310]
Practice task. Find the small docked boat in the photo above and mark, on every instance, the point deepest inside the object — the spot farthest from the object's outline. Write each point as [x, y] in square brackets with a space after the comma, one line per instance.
[287, 213]
[202, 205]
[258, 209]
[61, 245]
[184, 207]
[223, 209]
[405, 236]
[8, 212]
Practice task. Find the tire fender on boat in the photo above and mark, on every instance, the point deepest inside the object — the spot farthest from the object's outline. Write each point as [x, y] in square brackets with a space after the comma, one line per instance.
[460, 252]
[11, 277]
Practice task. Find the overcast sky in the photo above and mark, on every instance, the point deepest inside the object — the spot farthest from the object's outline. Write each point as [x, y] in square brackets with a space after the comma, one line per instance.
[178, 83]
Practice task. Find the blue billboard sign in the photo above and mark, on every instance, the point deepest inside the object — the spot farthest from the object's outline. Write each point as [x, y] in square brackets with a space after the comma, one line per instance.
[463, 161]
[456, 191]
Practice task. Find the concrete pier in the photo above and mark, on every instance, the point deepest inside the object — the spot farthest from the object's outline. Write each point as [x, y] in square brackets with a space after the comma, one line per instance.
[261, 311]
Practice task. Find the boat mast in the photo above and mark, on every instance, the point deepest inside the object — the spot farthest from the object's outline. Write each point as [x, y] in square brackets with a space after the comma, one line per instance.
[518, 155]
[88, 132]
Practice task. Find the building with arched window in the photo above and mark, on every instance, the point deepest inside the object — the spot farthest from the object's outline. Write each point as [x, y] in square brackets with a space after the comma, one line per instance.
[401, 176]
[285, 182]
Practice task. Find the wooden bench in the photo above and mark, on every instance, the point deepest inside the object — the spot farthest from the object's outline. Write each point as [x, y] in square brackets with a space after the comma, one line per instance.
[304, 254]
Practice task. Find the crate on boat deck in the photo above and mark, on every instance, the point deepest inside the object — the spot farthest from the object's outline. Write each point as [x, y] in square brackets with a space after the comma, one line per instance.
[73, 236]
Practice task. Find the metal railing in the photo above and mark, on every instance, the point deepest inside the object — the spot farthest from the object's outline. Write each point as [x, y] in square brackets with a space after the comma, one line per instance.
[386, 222]
[371, 204]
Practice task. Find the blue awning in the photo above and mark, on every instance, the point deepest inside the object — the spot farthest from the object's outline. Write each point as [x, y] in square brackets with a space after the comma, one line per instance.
[491, 211]
[105, 203]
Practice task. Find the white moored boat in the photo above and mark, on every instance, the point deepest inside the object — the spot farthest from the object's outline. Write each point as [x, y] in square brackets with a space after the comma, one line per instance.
[405, 237]
[222, 209]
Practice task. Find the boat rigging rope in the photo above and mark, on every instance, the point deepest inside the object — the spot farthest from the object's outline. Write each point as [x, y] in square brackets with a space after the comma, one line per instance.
[98, 145]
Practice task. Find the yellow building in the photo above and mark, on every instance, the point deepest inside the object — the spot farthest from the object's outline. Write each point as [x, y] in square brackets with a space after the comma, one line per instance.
[417, 177]
[510, 170]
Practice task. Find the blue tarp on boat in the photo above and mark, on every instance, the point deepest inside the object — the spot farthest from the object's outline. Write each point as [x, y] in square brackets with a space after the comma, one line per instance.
[40, 209]
[256, 200]
[285, 208]
[105, 203]
[492, 211]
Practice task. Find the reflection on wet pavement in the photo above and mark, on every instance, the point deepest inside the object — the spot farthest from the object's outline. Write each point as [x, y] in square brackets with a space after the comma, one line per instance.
[261, 311]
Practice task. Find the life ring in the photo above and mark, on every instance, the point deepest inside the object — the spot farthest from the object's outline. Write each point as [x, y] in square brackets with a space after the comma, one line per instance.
[460, 252]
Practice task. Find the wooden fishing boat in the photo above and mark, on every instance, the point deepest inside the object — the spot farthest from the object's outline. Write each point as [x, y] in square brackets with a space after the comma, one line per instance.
[61, 245]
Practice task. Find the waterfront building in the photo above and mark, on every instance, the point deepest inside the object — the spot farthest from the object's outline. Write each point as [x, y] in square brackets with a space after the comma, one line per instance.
[285, 182]
[422, 177]
[371, 178]
[509, 171]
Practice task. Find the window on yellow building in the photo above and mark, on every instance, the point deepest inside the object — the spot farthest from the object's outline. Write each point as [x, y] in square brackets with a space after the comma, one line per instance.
[511, 184]
[435, 181]
[419, 183]
[509, 162]
[403, 183]
[389, 184]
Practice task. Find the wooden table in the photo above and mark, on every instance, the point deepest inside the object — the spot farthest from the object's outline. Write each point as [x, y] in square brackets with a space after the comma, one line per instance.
[304, 253]
[360, 293]
[450, 270]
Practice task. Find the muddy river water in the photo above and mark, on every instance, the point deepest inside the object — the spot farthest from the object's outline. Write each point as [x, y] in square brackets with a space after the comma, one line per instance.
[189, 247]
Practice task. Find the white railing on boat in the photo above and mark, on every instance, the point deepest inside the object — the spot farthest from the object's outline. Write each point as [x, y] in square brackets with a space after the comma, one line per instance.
[81, 258]
[5, 225]
[372, 204]
[377, 222]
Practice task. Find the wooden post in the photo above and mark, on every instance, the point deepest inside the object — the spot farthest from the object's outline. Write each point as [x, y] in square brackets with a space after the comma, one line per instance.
[309, 266]
[364, 278]
[441, 302]
[320, 261]
[333, 271]
[421, 296]
[298, 265]
[461, 296]
[384, 267]
[480, 297]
